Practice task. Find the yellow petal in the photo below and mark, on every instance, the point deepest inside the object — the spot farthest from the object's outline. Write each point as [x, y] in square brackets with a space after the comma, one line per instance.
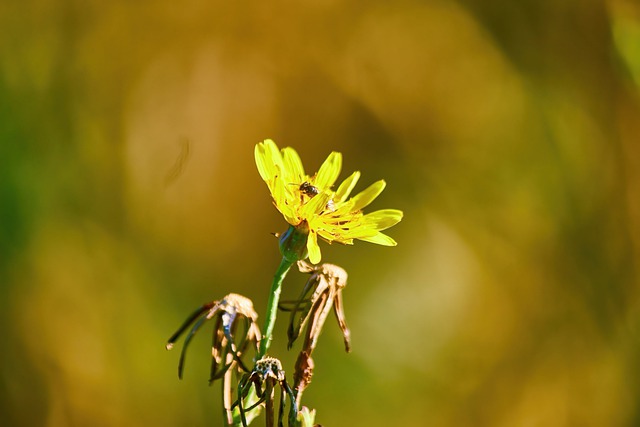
[268, 160]
[316, 205]
[329, 171]
[383, 219]
[274, 158]
[312, 247]
[346, 187]
[359, 232]
[327, 236]
[367, 196]
[277, 192]
[380, 239]
[293, 165]
[260, 155]
[290, 216]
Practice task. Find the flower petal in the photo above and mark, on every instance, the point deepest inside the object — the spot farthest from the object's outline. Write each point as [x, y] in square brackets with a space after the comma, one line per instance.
[332, 238]
[293, 165]
[383, 219]
[261, 164]
[312, 247]
[367, 196]
[268, 160]
[380, 239]
[278, 194]
[316, 205]
[346, 187]
[359, 232]
[329, 171]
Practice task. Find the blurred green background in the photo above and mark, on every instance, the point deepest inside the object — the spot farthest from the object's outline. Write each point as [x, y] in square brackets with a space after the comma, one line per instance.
[508, 133]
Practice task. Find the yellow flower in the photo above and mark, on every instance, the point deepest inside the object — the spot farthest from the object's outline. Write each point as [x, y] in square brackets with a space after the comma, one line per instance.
[310, 205]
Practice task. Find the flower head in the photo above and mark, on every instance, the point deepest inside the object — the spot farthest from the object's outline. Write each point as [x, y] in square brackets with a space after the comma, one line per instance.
[310, 203]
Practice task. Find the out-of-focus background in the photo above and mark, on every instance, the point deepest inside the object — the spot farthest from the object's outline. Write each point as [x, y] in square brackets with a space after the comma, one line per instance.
[508, 133]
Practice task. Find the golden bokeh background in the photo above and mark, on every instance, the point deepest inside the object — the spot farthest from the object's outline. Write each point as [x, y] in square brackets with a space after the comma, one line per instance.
[508, 133]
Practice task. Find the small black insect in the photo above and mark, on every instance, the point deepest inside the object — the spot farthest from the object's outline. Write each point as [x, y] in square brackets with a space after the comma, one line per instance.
[308, 189]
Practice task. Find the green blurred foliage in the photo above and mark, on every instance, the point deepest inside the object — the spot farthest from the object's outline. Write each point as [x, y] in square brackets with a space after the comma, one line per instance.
[507, 132]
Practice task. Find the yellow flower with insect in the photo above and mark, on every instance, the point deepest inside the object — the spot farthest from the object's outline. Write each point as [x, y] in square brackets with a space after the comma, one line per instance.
[313, 208]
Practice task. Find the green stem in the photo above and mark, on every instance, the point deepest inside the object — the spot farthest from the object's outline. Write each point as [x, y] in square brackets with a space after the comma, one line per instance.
[272, 305]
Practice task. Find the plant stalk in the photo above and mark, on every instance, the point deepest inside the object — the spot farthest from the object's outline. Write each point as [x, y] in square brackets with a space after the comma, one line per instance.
[272, 306]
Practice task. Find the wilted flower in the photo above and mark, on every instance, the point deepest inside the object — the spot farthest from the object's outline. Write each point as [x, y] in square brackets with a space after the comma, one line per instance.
[327, 282]
[267, 373]
[227, 348]
[309, 203]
